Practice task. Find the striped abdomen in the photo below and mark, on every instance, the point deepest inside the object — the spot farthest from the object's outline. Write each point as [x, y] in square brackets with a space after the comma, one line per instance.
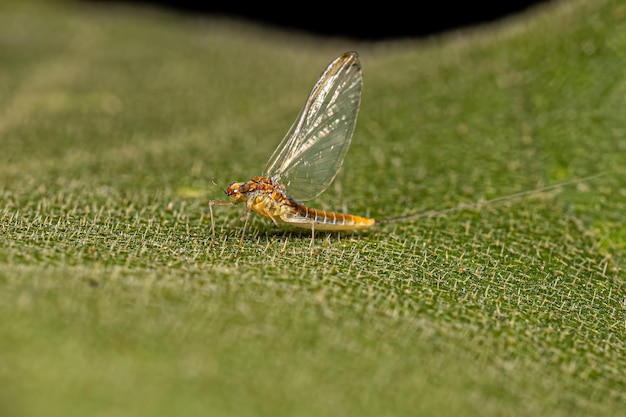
[308, 218]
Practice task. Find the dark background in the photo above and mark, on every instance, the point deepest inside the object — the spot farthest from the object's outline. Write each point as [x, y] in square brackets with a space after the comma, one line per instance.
[380, 20]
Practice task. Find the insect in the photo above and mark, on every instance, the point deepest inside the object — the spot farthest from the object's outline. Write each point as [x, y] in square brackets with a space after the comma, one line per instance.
[308, 159]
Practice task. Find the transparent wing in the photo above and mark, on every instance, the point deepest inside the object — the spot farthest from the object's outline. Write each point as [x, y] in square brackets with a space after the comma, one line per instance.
[309, 157]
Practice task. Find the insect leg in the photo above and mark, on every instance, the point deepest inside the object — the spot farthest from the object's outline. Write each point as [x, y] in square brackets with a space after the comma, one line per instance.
[312, 236]
[269, 215]
[245, 224]
[216, 203]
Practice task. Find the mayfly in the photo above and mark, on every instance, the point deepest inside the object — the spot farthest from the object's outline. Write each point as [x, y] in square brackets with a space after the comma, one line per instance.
[308, 159]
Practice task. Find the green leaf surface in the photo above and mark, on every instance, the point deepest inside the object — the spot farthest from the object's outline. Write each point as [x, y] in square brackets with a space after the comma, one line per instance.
[119, 124]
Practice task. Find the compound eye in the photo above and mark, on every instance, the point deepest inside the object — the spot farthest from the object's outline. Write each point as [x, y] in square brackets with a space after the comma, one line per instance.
[232, 189]
[237, 188]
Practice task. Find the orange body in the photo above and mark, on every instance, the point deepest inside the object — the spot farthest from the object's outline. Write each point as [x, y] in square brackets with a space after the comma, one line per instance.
[267, 197]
